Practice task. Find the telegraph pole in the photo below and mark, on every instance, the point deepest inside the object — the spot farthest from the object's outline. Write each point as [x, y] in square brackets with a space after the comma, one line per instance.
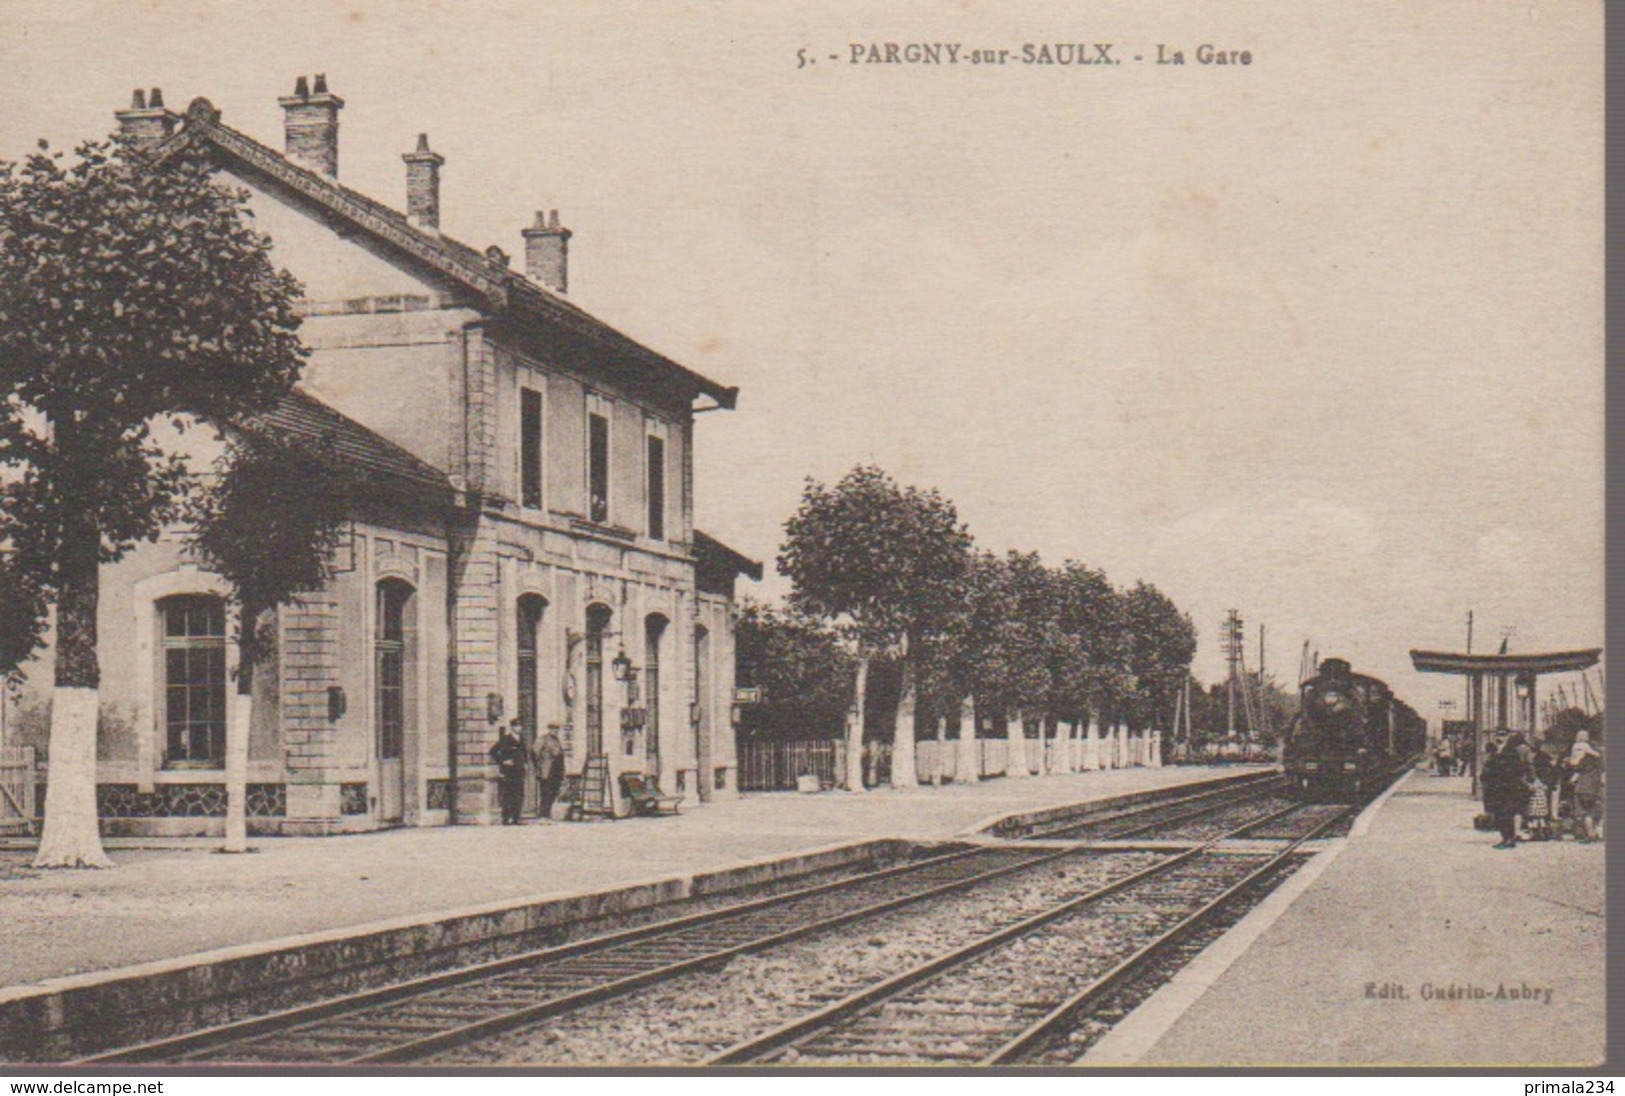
[1232, 657]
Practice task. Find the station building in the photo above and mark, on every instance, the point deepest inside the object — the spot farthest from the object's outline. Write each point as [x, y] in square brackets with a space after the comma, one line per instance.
[523, 545]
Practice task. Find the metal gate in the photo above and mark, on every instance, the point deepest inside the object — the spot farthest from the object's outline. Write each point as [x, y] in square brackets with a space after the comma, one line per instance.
[16, 789]
[774, 766]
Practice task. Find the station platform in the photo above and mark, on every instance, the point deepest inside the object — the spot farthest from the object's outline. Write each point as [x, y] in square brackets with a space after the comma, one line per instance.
[168, 899]
[1417, 944]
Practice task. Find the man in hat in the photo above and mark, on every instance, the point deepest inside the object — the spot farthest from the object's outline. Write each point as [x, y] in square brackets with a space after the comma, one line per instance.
[549, 759]
[508, 755]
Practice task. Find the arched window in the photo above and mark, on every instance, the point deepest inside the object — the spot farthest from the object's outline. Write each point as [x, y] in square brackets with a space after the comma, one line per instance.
[194, 706]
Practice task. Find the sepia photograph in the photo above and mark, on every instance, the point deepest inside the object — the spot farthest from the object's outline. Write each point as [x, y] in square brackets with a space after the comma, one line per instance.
[722, 536]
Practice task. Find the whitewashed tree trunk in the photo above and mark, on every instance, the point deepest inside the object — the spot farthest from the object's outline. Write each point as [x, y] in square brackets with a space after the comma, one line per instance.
[968, 769]
[1155, 759]
[903, 774]
[242, 714]
[1017, 735]
[1043, 745]
[854, 727]
[940, 767]
[1069, 756]
[1091, 746]
[72, 838]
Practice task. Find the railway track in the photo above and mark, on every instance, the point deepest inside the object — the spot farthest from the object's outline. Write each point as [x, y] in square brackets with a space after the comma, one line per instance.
[472, 1007]
[960, 1008]
[418, 1018]
[1159, 816]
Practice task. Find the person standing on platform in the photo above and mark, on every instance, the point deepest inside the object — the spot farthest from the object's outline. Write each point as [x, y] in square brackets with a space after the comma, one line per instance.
[1445, 756]
[1543, 793]
[1506, 790]
[508, 755]
[1585, 763]
[549, 760]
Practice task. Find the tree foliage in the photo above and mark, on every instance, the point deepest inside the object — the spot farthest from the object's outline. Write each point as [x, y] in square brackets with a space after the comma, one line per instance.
[129, 296]
[269, 524]
[1160, 642]
[880, 559]
[801, 667]
[134, 297]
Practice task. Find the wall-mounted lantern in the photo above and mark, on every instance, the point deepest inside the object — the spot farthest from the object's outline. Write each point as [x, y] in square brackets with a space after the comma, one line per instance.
[493, 707]
[337, 703]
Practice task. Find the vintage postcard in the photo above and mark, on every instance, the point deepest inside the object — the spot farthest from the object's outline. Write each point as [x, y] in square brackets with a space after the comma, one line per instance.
[853, 534]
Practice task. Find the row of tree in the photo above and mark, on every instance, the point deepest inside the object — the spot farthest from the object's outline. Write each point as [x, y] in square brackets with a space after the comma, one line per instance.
[886, 576]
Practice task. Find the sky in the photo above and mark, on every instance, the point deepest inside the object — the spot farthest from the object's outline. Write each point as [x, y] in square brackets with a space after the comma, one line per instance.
[1318, 338]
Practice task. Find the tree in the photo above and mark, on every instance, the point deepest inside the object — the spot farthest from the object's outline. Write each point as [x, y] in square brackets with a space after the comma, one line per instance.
[1089, 618]
[884, 562]
[268, 525]
[131, 295]
[1160, 644]
[993, 646]
[799, 664]
[1033, 650]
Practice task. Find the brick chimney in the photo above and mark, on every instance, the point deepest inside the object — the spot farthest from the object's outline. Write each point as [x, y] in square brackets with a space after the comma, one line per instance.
[547, 252]
[146, 123]
[423, 185]
[311, 126]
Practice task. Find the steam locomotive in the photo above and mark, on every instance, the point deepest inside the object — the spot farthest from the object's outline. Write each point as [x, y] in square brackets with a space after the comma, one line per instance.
[1351, 736]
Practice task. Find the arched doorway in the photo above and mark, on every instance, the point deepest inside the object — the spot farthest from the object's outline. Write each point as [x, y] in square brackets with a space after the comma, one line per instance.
[395, 707]
[702, 713]
[527, 675]
[598, 618]
[654, 636]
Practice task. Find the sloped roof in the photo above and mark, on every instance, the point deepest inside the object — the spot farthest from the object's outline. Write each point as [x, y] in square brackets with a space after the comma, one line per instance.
[717, 556]
[507, 291]
[303, 416]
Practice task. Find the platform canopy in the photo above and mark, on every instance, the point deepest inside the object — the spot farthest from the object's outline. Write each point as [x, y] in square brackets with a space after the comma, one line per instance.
[1553, 662]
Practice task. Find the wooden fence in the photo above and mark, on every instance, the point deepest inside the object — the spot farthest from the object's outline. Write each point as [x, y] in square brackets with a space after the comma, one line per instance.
[17, 789]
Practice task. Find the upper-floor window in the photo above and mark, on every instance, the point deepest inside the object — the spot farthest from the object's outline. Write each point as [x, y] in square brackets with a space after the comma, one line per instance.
[530, 448]
[194, 643]
[598, 465]
[657, 487]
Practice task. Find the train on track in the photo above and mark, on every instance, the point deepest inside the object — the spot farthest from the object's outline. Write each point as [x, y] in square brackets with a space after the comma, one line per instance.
[1351, 735]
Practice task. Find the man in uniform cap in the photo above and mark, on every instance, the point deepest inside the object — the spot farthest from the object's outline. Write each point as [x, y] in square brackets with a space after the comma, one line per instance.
[508, 755]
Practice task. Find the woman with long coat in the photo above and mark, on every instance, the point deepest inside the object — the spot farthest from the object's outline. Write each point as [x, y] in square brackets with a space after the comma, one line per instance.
[1506, 791]
[1585, 763]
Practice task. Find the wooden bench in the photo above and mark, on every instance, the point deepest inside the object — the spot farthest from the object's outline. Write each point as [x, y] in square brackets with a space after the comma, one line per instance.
[644, 796]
